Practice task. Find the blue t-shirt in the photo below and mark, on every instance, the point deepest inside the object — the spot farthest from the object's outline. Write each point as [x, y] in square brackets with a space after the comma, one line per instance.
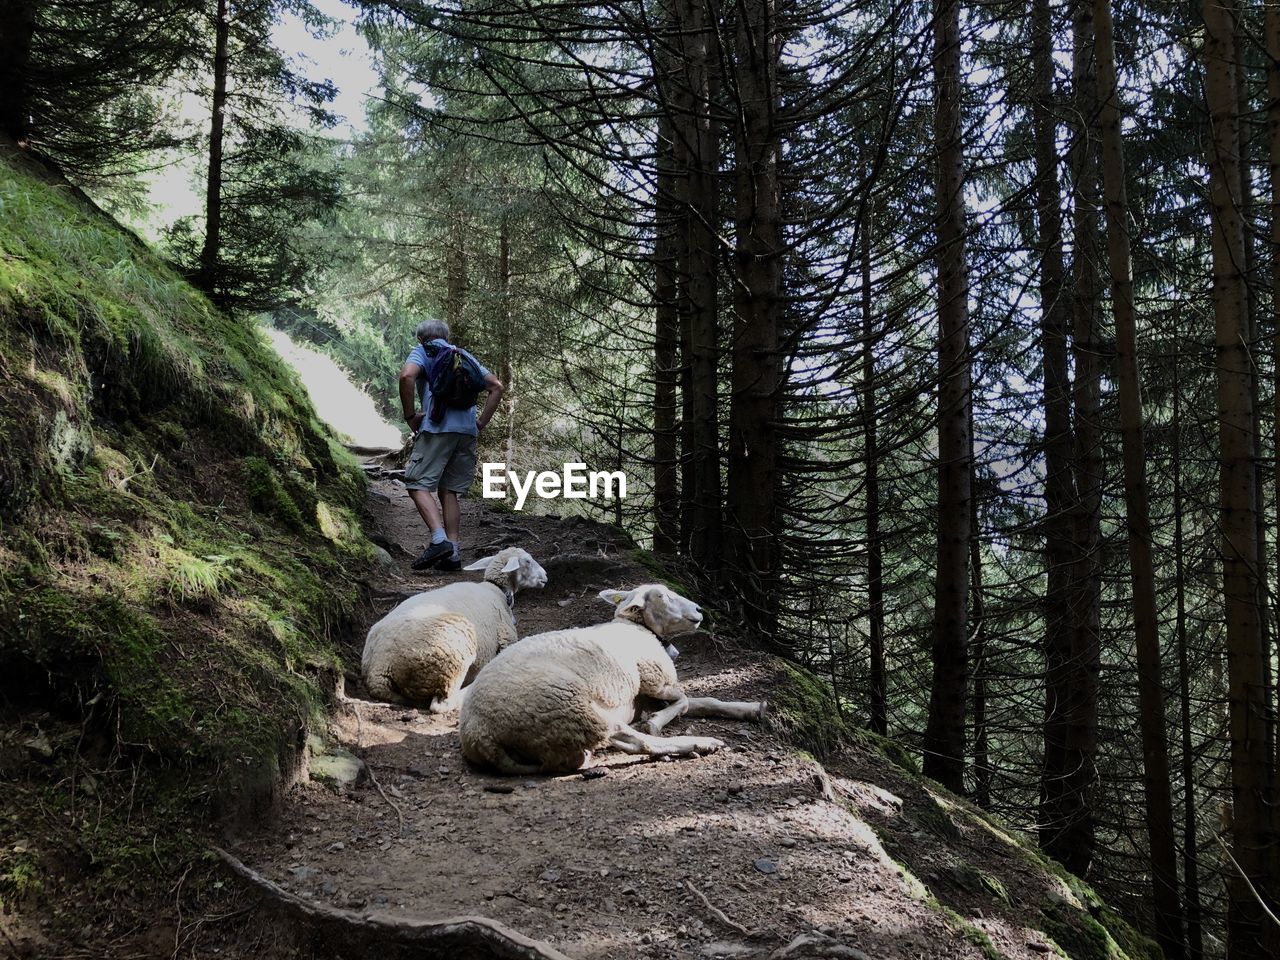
[454, 421]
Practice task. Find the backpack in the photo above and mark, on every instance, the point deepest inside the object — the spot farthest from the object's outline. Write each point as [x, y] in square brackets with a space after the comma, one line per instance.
[455, 379]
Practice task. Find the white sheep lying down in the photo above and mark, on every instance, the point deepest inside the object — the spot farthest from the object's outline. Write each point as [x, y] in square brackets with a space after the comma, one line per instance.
[545, 703]
[425, 650]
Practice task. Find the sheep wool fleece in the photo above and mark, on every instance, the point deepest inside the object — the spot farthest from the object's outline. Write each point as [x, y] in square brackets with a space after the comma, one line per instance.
[433, 643]
[547, 700]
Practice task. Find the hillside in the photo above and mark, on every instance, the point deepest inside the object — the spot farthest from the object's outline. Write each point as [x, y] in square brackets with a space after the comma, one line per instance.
[178, 551]
[185, 582]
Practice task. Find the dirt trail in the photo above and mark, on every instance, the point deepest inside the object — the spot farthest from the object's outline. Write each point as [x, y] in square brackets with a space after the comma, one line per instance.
[614, 862]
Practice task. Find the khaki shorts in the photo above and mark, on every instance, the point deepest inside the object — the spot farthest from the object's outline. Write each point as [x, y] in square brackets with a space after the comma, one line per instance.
[441, 460]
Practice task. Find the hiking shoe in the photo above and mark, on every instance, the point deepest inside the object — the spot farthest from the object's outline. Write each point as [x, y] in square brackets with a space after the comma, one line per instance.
[449, 566]
[434, 553]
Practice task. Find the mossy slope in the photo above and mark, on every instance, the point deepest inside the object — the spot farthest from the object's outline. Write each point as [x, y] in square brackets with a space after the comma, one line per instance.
[177, 545]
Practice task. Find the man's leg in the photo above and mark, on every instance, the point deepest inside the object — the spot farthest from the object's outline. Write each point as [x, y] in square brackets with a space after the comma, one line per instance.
[452, 513]
[422, 477]
[454, 481]
[428, 509]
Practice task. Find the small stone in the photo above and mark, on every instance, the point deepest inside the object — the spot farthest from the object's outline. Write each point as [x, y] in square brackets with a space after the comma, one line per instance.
[337, 768]
[604, 871]
[610, 906]
[302, 873]
[408, 717]
[499, 788]
[735, 789]
[337, 846]
[381, 899]
[792, 801]
[418, 769]
[787, 841]
[594, 773]
[22, 846]
[329, 888]
[739, 764]
[765, 865]
[530, 784]
[550, 875]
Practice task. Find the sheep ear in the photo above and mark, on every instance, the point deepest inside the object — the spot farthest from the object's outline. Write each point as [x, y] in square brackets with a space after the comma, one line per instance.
[512, 564]
[632, 610]
[613, 596]
[479, 564]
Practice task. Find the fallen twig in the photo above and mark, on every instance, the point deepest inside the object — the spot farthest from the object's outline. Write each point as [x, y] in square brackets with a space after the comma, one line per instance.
[463, 938]
[718, 913]
[373, 777]
[1245, 877]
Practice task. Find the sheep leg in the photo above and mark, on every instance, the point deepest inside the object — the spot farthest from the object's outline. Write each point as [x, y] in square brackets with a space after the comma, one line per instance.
[704, 707]
[668, 713]
[730, 709]
[451, 701]
[629, 740]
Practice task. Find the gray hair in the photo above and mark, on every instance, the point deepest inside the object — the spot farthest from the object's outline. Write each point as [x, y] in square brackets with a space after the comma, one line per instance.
[431, 330]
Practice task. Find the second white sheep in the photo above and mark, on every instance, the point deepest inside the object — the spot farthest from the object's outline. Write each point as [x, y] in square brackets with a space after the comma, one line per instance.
[546, 703]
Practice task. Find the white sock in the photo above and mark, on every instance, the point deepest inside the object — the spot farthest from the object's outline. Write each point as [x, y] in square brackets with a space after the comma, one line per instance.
[457, 555]
[437, 535]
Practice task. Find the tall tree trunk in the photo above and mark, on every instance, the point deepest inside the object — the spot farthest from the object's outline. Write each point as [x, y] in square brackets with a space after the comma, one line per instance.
[871, 456]
[1151, 716]
[17, 28]
[209, 255]
[1069, 834]
[1190, 844]
[510, 396]
[701, 458]
[982, 773]
[1059, 492]
[945, 733]
[1252, 829]
[457, 278]
[1244, 110]
[1272, 30]
[666, 373]
[757, 307]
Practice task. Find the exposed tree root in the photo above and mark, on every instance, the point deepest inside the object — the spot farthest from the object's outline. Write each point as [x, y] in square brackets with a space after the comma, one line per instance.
[817, 945]
[366, 934]
[718, 913]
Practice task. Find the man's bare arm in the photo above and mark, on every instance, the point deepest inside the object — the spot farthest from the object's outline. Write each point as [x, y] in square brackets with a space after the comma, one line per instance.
[495, 388]
[408, 390]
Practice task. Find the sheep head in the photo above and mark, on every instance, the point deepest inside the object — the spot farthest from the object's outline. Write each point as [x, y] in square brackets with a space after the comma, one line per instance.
[659, 608]
[511, 570]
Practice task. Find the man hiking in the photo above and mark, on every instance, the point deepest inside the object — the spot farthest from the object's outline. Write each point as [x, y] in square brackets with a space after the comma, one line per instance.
[443, 458]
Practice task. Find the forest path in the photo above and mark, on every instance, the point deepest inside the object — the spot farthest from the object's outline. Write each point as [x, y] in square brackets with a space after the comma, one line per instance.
[602, 864]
